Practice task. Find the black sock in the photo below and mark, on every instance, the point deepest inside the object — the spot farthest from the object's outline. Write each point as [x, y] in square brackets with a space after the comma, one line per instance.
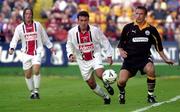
[121, 89]
[151, 82]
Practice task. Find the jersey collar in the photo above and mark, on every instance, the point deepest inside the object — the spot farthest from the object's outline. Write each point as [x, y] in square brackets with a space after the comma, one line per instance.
[88, 28]
[141, 27]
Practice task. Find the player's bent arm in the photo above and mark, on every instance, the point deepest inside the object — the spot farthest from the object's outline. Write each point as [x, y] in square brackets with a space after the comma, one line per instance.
[164, 57]
[69, 46]
[15, 39]
[123, 53]
[104, 42]
[45, 38]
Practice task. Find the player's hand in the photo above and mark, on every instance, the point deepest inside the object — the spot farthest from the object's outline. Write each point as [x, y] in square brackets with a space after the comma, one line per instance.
[72, 58]
[110, 61]
[123, 53]
[11, 51]
[53, 51]
[170, 62]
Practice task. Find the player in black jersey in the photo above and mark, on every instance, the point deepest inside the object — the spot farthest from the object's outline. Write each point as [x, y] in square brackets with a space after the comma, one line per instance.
[134, 46]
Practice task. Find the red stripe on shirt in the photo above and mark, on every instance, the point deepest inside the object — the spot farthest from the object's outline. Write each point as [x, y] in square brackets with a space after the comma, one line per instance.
[30, 44]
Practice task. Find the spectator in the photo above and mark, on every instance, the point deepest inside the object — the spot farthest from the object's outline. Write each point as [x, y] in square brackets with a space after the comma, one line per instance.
[2, 36]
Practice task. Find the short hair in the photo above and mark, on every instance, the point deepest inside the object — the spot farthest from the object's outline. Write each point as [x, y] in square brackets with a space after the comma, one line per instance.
[83, 13]
[142, 8]
[27, 8]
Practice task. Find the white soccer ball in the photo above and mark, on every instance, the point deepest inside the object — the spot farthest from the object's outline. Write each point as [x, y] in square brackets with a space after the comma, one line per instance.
[109, 76]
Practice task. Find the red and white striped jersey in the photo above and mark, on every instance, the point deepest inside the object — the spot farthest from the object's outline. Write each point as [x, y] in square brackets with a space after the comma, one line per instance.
[84, 46]
[32, 36]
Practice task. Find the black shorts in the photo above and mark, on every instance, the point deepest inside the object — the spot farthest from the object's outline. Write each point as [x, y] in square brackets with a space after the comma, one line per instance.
[133, 65]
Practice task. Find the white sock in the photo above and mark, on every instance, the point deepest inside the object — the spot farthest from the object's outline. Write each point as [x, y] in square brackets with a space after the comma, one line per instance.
[150, 93]
[29, 83]
[36, 79]
[99, 91]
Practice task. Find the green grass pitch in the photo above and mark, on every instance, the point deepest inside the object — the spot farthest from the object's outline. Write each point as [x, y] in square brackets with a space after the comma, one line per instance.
[63, 90]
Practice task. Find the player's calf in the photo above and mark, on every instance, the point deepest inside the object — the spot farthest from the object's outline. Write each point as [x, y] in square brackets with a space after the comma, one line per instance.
[109, 89]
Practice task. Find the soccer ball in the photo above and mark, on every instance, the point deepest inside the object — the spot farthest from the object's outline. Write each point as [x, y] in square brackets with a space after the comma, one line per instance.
[109, 76]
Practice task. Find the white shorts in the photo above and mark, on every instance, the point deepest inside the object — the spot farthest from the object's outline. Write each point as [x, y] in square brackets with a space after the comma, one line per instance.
[87, 67]
[29, 60]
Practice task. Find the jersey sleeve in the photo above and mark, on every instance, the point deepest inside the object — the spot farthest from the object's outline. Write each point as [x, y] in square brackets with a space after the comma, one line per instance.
[15, 39]
[69, 45]
[157, 40]
[122, 37]
[45, 38]
[105, 43]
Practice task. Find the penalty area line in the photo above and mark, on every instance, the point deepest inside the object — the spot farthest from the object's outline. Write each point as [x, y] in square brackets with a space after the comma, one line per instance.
[157, 104]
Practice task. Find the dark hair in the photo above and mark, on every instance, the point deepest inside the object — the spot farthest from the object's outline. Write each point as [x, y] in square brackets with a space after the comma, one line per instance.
[83, 13]
[142, 8]
[27, 8]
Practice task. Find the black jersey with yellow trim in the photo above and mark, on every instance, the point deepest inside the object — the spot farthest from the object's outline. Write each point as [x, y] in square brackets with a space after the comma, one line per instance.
[137, 41]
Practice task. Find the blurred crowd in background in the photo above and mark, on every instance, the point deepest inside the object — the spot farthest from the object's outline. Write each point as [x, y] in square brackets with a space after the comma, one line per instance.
[109, 15]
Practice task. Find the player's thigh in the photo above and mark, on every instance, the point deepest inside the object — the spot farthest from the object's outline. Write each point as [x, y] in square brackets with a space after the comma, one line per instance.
[28, 73]
[36, 69]
[99, 72]
[98, 65]
[149, 69]
[85, 69]
[26, 61]
[124, 75]
[36, 59]
[91, 82]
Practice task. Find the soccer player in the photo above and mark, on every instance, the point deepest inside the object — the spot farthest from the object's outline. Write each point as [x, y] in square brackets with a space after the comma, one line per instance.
[84, 45]
[134, 46]
[33, 36]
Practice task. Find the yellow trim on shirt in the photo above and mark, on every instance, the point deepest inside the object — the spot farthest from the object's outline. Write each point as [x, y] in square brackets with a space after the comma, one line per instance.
[141, 27]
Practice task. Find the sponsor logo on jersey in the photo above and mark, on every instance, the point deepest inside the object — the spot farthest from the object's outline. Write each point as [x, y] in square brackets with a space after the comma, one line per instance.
[140, 39]
[86, 47]
[30, 36]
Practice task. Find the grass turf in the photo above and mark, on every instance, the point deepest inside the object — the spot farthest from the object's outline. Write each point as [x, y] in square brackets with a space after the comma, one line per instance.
[63, 90]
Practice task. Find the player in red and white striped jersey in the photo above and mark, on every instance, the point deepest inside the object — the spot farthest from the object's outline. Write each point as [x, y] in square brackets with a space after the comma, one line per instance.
[85, 42]
[33, 37]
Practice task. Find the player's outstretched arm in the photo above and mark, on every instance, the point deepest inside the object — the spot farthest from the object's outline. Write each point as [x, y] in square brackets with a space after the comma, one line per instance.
[163, 56]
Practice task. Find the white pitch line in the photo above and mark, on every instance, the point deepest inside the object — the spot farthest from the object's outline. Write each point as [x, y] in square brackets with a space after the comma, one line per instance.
[157, 104]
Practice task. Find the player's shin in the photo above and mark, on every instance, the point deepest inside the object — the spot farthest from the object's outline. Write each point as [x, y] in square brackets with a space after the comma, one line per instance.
[36, 79]
[30, 85]
[121, 94]
[121, 88]
[151, 82]
[99, 91]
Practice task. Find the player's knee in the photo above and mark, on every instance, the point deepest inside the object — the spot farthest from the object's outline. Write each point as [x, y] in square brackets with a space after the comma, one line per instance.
[122, 82]
[91, 84]
[151, 73]
[36, 72]
[28, 76]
